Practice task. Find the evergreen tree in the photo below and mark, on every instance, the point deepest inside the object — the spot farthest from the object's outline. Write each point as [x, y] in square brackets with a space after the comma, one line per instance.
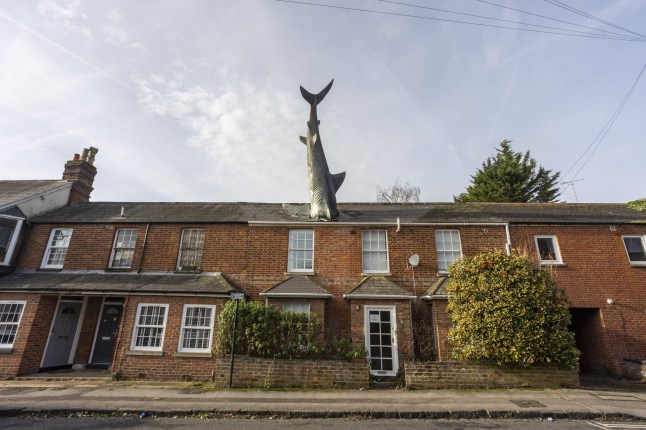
[511, 177]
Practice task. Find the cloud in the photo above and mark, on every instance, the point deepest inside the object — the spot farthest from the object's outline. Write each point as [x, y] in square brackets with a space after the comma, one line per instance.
[64, 15]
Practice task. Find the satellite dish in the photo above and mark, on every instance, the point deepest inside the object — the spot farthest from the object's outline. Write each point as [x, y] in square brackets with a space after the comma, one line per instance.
[413, 260]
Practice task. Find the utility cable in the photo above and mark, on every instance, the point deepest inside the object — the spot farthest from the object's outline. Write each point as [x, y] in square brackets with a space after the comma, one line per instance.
[549, 18]
[587, 15]
[604, 131]
[589, 35]
[498, 19]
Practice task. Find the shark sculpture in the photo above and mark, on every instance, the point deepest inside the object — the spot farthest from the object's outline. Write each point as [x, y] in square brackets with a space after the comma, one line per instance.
[322, 184]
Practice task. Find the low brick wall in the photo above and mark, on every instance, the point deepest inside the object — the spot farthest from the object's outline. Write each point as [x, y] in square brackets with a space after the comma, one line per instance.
[251, 372]
[452, 374]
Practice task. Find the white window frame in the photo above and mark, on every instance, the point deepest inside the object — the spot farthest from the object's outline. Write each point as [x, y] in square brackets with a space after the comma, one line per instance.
[180, 346]
[643, 242]
[557, 258]
[365, 251]
[197, 261]
[67, 232]
[7, 345]
[114, 247]
[443, 251]
[293, 262]
[11, 246]
[287, 305]
[137, 326]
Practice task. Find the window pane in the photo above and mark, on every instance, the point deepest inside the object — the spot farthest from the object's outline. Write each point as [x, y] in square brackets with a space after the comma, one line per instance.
[635, 249]
[546, 248]
[300, 255]
[9, 318]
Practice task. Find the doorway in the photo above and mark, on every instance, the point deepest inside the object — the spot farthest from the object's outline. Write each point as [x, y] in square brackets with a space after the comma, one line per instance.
[381, 342]
[106, 333]
[63, 334]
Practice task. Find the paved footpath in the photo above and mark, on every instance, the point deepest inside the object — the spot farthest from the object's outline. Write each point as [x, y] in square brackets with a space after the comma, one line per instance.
[64, 397]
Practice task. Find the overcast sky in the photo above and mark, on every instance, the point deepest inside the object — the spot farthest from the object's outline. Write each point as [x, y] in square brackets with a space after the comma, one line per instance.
[199, 100]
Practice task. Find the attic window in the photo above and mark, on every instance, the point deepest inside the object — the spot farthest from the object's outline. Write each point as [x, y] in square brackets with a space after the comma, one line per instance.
[9, 232]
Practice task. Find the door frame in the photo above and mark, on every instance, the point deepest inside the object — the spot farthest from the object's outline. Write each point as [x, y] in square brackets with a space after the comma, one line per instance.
[105, 301]
[77, 330]
[393, 332]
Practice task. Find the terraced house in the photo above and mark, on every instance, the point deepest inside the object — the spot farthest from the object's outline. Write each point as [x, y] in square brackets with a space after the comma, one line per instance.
[137, 287]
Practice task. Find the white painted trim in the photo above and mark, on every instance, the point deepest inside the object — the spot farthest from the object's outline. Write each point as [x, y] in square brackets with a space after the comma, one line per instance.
[437, 251]
[299, 295]
[134, 329]
[77, 335]
[13, 241]
[393, 330]
[558, 259]
[643, 240]
[22, 312]
[299, 271]
[96, 331]
[48, 249]
[182, 327]
[375, 272]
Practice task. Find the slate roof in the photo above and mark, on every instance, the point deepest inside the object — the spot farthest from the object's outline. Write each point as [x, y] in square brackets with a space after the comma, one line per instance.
[378, 287]
[297, 286]
[12, 192]
[437, 290]
[116, 283]
[522, 213]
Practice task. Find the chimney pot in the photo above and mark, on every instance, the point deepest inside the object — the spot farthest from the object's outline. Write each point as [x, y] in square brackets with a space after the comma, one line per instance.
[84, 155]
[76, 157]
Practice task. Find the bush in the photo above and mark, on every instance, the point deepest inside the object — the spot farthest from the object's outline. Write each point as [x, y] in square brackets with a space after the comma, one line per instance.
[507, 310]
[265, 331]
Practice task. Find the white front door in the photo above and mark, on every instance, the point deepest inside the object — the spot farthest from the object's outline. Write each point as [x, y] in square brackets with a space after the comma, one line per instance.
[381, 341]
[63, 334]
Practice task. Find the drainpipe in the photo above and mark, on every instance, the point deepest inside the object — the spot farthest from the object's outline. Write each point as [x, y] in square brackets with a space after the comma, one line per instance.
[508, 244]
[143, 248]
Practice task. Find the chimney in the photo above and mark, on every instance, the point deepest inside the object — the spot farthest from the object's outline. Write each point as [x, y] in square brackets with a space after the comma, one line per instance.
[81, 172]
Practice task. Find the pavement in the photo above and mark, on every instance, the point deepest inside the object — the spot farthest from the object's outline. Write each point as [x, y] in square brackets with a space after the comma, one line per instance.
[49, 396]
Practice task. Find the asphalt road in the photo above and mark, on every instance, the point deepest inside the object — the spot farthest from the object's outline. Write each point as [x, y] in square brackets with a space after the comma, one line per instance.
[129, 422]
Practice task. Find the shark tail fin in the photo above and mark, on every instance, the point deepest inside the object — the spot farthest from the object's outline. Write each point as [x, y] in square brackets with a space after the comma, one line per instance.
[315, 99]
[337, 180]
[303, 140]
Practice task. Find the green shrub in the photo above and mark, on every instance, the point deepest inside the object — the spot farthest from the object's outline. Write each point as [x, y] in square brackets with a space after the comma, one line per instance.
[638, 205]
[507, 310]
[266, 331]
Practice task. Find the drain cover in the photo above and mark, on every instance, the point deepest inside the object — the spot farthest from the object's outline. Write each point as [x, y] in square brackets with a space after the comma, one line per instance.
[528, 403]
[616, 397]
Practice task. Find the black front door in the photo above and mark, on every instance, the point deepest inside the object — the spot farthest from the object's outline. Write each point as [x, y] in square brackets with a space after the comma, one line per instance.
[105, 336]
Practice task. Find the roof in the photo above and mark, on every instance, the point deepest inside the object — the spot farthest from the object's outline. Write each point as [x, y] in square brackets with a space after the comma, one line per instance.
[438, 289]
[388, 213]
[13, 192]
[297, 286]
[116, 283]
[378, 287]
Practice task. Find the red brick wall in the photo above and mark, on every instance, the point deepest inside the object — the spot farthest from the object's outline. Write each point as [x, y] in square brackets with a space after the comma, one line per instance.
[171, 364]
[441, 325]
[595, 269]
[445, 374]
[88, 328]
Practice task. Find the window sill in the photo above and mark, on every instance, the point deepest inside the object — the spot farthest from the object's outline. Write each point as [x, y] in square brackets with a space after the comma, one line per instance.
[638, 265]
[50, 269]
[6, 349]
[376, 274]
[149, 353]
[554, 264]
[187, 272]
[300, 273]
[183, 354]
[119, 269]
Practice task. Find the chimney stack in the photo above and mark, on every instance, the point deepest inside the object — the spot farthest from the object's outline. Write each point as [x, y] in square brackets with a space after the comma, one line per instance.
[81, 172]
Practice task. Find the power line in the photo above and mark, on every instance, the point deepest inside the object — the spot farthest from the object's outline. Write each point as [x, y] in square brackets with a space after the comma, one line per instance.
[500, 19]
[604, 131]
[587, 15]
[547, 17]
[590, 35]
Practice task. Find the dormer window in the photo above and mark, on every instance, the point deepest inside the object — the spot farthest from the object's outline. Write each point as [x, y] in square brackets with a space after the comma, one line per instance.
[9, 232]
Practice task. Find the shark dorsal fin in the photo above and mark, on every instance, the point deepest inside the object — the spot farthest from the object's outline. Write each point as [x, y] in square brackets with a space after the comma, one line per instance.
[337, 180]
[303, 139]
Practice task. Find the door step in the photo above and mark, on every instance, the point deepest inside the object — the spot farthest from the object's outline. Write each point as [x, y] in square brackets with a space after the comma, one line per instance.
[385, 382]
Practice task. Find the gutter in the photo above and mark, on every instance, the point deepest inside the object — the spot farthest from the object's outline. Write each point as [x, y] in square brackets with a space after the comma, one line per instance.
[377, 296]
[313, 295]
[361, 223]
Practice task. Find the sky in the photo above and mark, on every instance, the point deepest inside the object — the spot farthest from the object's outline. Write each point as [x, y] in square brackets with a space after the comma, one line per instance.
[191, 100]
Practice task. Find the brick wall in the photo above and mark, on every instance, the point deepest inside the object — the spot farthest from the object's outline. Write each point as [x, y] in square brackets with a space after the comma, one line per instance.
[445, 374]
[168, 363]
[595, 268]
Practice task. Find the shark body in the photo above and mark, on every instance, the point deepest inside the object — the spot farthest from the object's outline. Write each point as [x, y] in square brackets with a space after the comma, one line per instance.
[322, 184]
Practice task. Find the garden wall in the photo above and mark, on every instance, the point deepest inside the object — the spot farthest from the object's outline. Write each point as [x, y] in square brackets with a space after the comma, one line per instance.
[452, 374]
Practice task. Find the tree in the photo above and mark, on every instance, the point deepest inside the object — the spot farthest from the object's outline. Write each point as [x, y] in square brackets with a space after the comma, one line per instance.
[398, 193]
[507, 309]
[513, 177]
